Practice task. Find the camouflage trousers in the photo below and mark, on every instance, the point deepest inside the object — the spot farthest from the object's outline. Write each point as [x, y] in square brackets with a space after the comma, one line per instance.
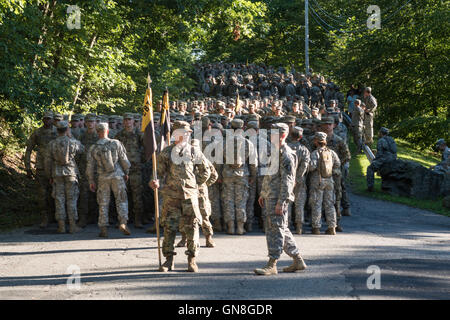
[368, 129]
[337, 182]
[322, 195]
[205, 210]
[65, 192]
[345, 202]
[184, 213]
[118, 187]
[134, 185]
[300, 201]
[45, 195]
[371, 169]
[250, 209]
[235, 196]
[258, 192]
[87, 204]
[357, 137]
[278, 235]
[215, 200]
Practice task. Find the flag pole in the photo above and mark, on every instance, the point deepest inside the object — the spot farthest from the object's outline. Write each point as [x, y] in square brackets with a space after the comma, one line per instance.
[155, 177]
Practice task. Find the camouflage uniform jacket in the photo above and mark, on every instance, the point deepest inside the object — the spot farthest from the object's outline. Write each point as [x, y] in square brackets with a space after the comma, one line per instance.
[109, 157]
[203, 188]
[87, 139]
[280, 185]
[303, 157]
[371, 104]
[134, 145]
[339, 146]
[240, 167]
[358, 117]
[182, 175]
[386, 149]
[39, 139]
[67, 148]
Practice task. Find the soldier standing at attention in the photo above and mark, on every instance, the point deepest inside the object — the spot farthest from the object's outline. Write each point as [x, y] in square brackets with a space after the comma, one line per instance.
[369, 109]
[87, 203]
[39, 140]
[386, 152]
[110, 158]
[182, 167]
[61, 167]
[324, 164]
[276, 194]
[358, 125]
[132, 140]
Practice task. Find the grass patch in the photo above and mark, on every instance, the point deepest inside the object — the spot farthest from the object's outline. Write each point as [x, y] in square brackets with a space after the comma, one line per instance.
[405, 151]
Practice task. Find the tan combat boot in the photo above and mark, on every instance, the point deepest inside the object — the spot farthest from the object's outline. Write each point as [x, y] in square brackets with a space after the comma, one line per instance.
[192, 266]
[168, 265]
[230, 226]
[269, 269]
[298, 228]
[182, 242]
[124, 228]
[61, 226]
[103, 232]
[315, 231]
[331, 231]
[240, 228]
[209, 242]
[298, 265]
[73, 228]
[339, 228]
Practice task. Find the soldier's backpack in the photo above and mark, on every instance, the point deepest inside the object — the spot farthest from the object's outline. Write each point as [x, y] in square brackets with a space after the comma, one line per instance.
[62, 153]
[325, 163]
[105, 156]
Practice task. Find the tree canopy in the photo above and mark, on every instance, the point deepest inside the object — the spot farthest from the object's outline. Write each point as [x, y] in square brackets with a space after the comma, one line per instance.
[50, 59]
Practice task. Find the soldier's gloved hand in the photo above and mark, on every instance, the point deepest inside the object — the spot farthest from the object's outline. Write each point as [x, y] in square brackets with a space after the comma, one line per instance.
[29, 174]
[154, 184]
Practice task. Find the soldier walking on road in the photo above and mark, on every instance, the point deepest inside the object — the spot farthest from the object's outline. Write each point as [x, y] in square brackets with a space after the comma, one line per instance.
[110, 158]
[276, 194]
[61, 167]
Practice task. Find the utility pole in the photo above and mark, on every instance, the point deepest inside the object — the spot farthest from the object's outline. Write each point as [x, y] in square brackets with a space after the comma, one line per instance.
[306, 37]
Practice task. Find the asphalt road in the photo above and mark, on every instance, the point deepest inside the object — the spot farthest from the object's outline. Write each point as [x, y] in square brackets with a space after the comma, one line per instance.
[401, 252]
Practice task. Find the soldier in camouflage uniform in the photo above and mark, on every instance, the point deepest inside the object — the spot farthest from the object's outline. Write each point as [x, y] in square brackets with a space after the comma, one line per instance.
[369, 110]
[322, 188]
[300, 190]
[110, 158]
[133, 143]
[253, 187]
[60, 165]
[183, 168]
[276, 194]
[204, 205]
[340, 147]
[236, 174]
[386, 152]
[39, 140]
[75, 126]
[87, 203]
[358, 125]
[112, 124]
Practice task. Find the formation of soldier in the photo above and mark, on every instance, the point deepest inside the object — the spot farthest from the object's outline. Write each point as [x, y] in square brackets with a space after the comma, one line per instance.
[93, 169]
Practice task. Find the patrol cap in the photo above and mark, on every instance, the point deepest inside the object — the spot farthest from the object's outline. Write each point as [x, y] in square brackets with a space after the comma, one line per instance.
[58, 117]
[91, 117]
[112, 119]
[315, 109]
[316, 121]
[137, 116]
[62, 124]
[237, 123]
[252, 125]
[440, 142]
[128, 115]
[384, 130]
[104, 118]
[182, 125]
[299, 129]
[75, 117]
[368, 89]
[81, 116]
[48, 114]
[327, 120]
[288, 119]
[320, 136]
[283, 127]
[307, 122]
[102, 126]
